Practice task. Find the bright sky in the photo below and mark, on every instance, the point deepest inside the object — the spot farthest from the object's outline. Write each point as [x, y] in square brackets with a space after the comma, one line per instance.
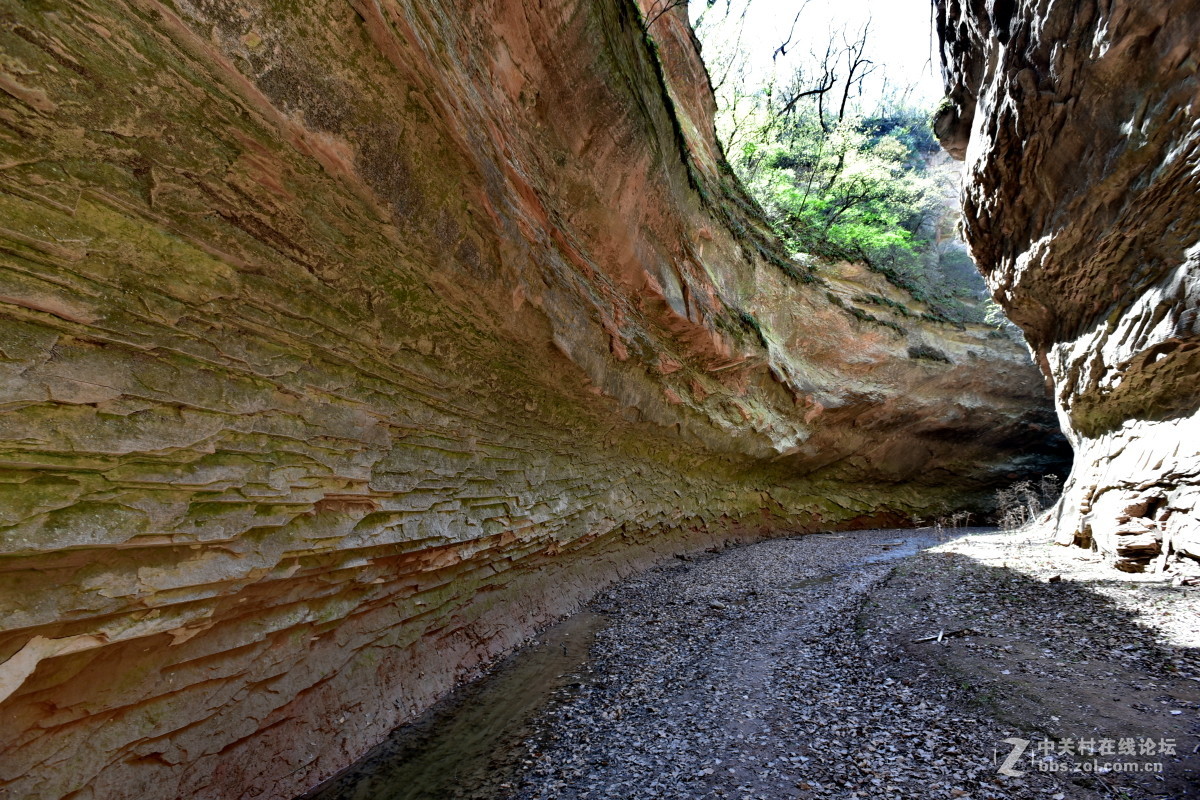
[900, 38]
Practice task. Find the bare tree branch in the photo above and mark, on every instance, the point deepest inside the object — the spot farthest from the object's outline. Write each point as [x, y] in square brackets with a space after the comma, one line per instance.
[782, 49]
[855, 62]
[668, 5]
[820, 90]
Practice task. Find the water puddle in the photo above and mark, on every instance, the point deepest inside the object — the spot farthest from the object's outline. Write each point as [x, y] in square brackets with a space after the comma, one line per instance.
[806, 582]
[464, 746]
[902, 548]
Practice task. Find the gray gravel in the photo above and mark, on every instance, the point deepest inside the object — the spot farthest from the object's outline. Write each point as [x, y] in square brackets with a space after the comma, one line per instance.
[746, 675]
[807, 668]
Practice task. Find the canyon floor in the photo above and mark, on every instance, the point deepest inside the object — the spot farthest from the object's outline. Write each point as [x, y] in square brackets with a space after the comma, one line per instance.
[890, 663]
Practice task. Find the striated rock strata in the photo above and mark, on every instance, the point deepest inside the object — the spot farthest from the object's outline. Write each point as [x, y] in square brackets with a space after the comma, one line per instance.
[1079, 124]
[343, 344]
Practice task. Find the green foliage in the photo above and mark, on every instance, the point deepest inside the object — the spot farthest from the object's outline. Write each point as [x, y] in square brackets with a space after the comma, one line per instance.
[855, 188]
[842, 182]
[871, 189]
[846, 192]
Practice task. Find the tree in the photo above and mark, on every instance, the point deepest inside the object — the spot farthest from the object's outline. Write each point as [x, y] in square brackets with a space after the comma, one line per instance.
[839, 178]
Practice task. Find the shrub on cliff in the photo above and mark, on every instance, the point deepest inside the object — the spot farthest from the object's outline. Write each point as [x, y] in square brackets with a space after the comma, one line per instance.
[848, 192]
[863, 188]
[843, 181]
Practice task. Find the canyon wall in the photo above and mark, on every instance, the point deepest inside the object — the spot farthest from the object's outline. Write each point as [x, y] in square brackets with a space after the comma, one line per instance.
[1080, 125]
[343, 344]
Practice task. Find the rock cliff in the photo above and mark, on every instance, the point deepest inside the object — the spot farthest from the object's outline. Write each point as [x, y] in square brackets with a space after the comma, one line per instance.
[1079, 124]
[343, 344]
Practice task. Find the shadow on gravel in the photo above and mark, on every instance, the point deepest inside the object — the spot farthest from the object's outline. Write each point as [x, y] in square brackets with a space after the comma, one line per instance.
[463, 740]
[1102, 698]
[811, 667]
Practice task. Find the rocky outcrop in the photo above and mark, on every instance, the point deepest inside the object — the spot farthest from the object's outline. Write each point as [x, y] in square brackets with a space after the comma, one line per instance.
[1083, 212]
[343, 344]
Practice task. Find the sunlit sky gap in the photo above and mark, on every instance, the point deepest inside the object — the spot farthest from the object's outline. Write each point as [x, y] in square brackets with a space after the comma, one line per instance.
[900, 39]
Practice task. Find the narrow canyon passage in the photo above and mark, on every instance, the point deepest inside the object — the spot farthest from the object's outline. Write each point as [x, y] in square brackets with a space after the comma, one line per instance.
[346, 345]
[778, 670]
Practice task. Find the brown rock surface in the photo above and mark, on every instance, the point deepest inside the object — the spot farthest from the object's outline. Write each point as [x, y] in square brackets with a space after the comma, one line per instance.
[1083, 210]
[342, 345]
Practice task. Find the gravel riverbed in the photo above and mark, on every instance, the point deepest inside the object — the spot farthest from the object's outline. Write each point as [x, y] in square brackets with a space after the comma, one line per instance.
[746, 674]
[794, 668]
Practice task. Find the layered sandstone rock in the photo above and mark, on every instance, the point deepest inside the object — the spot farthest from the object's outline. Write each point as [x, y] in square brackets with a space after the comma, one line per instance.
[1083, 210]
[344, 344]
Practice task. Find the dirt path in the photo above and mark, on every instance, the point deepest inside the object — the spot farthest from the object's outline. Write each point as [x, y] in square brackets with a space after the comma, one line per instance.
[787, 669]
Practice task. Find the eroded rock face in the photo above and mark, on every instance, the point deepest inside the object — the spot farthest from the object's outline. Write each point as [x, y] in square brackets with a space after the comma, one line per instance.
[344, 344]
[1082, 208]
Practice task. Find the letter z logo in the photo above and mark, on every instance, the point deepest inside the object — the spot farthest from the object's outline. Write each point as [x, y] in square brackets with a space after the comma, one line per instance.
[1018, 749]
